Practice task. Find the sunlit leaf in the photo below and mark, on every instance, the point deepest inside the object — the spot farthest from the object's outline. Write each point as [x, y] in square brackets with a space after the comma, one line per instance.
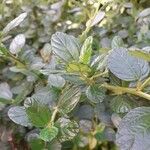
[14, 23]
[70, 98]
[17, 44]
[65, 46]
[18, 115]
[140, 54]
[127, 67]
[86, 51]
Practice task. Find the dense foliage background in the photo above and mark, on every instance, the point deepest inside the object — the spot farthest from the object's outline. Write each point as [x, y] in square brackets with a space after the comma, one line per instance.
[74, 74]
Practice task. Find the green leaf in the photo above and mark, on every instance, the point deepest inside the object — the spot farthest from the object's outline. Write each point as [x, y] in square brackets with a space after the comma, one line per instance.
[121, 104]
[117, 42]
[140, 54]
[18, 115]
[38, 115]
[86, 51]
[126, 67]
[49, 133]
[69, 99]
[134, 130]
[37, 144]
[3, 50]
[65, 46]
[95, 94]
[77, 67]
[68, 129]
[56, 80]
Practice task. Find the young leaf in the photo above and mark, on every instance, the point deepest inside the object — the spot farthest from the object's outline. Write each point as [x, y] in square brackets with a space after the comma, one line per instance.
[14, 23]
[133, 132]
[126, 67]
[78, 68]
[38, 115]
[69, 99]
[140, 54]
[65, 46]
[49, 133]
[117, 42]
[56, 80]
[95, 94]
[18, 115]
[86, 51]
[17, 43]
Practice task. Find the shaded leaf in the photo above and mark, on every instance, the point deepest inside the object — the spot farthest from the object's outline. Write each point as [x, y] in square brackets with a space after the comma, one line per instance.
[56, 80]
[108, 134]
[140, 54]
[95, 94]
[134, 130]
[68, 129]
[121, 104]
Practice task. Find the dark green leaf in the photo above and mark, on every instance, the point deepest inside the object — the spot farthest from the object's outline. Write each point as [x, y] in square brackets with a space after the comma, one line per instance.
[49, 133]
[126, 67]
[65, 46]
[38, 115]
[134, 130]
[121, 104]
[95, 94]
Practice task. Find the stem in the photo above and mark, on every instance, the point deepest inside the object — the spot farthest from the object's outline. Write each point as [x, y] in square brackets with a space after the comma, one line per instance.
[53, 117]
[145, 83]
[99, 75]
[122, 90]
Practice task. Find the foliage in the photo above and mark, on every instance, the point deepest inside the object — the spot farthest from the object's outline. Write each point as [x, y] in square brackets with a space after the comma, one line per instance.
[75, 74]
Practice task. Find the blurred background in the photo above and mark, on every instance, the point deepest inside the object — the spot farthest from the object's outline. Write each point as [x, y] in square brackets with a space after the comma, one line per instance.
[129, 19]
